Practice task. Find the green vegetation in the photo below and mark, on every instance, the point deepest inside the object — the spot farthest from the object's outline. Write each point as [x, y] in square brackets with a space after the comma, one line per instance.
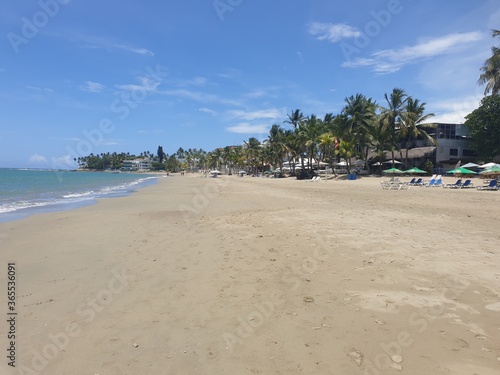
[484, 128]
[490, 71]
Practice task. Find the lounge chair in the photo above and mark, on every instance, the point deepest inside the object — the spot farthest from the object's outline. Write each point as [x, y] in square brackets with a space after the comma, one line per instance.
[467, 184]
[314, 179]
[456, 184]
[493, 185]
[412, 181]
[419, 182]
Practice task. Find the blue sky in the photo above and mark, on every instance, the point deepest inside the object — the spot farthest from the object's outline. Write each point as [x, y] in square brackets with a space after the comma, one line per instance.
[121, 75]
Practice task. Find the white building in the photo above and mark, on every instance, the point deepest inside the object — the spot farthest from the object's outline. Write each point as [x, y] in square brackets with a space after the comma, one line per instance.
[453, 144]
[136, 165]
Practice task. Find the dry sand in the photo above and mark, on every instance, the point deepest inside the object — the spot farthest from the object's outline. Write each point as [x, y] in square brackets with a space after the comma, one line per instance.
[259, 276]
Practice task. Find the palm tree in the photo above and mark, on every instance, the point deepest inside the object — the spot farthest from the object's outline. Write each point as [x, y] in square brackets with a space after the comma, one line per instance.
[393, 115]
[412, 121]
[276, 142]
[327, 141]
[358, 117]
[295, 118]
[490, 71]
[309, 130]
[253, 152]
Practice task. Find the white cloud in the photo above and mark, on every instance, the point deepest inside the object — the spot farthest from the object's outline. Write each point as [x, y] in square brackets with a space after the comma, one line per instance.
[62, 162]
[147, 84]
[333, 32]
[36, 158]
[108, 44]
[90, 86]
[199, 96]
[43, 89]
[139, 51]
[453, 110]
[392, 60]
[246, 128]
[208, 110]
[196, 81]
[272, 113]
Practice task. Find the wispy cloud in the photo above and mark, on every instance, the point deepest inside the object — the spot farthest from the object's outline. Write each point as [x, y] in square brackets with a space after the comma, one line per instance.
[36, 158]
[272, 113]
[196, 81]
[90, 86]
[43, 89]
[208, 110]
[199, 96]
[333, 32]
[246, 128]
[108, 44]
[140, 51]
[392, 60]
[146, 84]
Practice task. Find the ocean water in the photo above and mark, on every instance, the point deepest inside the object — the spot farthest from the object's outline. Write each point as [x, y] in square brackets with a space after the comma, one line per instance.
[25, 192]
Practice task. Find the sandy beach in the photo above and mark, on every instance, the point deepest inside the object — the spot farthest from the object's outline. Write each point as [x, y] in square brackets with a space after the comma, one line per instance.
[258, 276]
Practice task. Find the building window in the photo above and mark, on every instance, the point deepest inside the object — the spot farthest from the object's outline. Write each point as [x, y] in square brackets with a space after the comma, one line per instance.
[453, 151]
[469, 153]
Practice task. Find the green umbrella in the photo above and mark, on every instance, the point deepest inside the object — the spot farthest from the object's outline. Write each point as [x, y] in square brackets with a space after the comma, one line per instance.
[492, 170]
[393, 170]
[415, 170]
[461, 170]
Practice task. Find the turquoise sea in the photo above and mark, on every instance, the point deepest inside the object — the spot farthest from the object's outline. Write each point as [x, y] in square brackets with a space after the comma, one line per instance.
[24, 192]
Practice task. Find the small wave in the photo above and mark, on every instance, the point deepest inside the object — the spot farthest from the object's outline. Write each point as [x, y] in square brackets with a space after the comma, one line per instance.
[78, 195]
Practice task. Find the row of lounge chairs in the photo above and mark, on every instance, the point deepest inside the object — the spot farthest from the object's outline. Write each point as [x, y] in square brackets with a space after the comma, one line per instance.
[435, 181]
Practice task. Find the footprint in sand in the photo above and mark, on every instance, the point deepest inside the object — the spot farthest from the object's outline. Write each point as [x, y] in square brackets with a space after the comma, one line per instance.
[355, 355]
[493, 306]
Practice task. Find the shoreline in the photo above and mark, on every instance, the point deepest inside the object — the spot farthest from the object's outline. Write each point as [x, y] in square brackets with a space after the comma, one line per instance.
[72, 201]
[256, 275]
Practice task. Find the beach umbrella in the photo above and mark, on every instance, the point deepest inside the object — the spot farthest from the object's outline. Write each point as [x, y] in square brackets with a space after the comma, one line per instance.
[377, 163]
[392, 161]
[487, 165]
[215, 171]
[393, 171]
[470, 165]
[461, 170]
[415, 170]
[242, 172]
[495, 170]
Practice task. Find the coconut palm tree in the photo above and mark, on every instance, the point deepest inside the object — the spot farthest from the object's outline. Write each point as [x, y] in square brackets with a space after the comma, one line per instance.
[327, 142]
[295, 118]
[490, 71]
[412, 121]
[358, 118]
[393, 115]
[276, 142]
[309, 131]
[253, 152]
